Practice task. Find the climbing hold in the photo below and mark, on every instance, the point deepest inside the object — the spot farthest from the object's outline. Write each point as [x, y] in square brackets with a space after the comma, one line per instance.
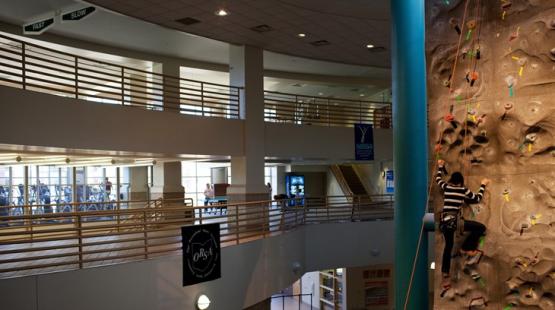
[477, 302]
[506, 195]
[552, 52]
[447, 83]
[471, 77]
[508, 106]
[455, 25]
[505, 4]
[514, 35]
[523, 226]
[449, 117]
[511, 82]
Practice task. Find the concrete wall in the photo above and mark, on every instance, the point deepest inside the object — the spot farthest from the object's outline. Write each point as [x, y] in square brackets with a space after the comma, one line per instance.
[43, 120]
[251, 272]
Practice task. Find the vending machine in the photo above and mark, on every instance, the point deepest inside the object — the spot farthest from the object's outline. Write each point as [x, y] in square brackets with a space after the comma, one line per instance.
[295, 188]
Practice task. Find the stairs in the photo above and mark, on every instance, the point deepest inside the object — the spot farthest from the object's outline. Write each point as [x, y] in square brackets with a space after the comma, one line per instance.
[349, 180]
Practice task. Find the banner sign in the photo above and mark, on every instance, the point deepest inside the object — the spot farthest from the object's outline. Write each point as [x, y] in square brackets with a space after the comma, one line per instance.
[78, 14]
[389, 182]
[201, 253]
[364, 142]
[39, 27]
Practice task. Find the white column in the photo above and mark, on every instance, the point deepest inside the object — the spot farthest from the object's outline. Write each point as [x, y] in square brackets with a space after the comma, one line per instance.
[167, 181]
[247, 171]
[138, 183]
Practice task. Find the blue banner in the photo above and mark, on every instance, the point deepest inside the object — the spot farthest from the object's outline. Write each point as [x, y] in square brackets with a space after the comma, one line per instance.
[364, 142]
[389, 182]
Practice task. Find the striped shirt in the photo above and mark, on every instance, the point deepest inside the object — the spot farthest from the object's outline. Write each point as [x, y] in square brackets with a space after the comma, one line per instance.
[454, 196]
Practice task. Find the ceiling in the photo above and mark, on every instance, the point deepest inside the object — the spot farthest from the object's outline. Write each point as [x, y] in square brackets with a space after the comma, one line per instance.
[118, 34]
[348, 25]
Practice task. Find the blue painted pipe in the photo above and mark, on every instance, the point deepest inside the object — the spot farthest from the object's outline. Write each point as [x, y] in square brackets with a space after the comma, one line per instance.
[410, 140]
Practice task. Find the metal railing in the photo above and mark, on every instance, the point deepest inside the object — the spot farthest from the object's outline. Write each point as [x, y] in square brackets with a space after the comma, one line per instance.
[39, 243]
[37, 68]
[323, 111]
[299, 301]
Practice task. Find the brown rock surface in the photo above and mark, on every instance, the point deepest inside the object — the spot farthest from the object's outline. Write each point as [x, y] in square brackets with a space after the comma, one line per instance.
[504, 126]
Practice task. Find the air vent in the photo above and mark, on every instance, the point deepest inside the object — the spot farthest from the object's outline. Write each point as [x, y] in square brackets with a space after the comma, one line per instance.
[320, 43]
[262, 28]
[377, 49]
[187, 21]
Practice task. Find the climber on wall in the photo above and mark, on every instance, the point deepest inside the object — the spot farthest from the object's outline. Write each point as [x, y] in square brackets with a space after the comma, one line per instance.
[455, 194]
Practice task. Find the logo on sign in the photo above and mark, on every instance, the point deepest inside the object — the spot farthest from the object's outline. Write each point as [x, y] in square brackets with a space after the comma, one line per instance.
[201, 253]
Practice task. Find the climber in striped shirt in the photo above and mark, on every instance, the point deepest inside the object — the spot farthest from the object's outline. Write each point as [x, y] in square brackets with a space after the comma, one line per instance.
[455, 194]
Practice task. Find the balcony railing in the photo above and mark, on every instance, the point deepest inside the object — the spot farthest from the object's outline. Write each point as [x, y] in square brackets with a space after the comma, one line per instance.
[38, 68]
[323, 111]
[38, 243]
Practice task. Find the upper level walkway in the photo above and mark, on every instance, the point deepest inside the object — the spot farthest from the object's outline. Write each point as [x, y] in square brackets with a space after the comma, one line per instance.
[33, 67]
[73, 238]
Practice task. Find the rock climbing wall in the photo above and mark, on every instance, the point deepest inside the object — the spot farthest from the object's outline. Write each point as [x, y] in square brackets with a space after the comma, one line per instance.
[492, 114]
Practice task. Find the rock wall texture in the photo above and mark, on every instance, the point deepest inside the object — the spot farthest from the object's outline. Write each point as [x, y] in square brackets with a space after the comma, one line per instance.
[492, 114]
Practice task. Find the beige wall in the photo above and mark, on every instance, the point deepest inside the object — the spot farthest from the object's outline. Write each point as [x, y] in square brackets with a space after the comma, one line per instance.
[316, 142]
[43, 120]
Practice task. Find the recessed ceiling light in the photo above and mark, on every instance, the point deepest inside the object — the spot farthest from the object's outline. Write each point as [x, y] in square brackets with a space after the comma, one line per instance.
[221, 12]
[301, 35]
[369, 45]
[320, 94]
[362, 95]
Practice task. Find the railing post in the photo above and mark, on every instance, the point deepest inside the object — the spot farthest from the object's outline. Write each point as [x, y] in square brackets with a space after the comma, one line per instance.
[296, 110]
[202, 97]
[80, 240]
[145, 234]
[329, 121]
[76, 64]
[122, 85]
[328, 211]
[200, 215]
[23, 66]
[360, 112]
[237, 224]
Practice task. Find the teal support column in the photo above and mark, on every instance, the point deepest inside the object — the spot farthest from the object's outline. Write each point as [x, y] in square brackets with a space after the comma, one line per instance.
[410, 149]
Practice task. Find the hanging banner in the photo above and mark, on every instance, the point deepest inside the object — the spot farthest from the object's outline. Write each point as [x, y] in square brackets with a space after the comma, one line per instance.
[364, 142]
[201, 253]
[389, 182]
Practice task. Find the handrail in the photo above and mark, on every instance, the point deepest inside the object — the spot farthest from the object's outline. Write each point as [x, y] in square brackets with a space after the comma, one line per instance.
[34, 67]
[36, 243]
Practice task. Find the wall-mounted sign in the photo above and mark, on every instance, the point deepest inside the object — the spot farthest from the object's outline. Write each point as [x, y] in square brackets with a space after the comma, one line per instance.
[364, 142]
[38, 27]
[201, 253]
[389, 182]
[78, 14]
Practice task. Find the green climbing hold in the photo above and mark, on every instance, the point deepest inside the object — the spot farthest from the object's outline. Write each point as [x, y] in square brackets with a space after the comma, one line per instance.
[482, 241]
[509, 307]
[481, 282]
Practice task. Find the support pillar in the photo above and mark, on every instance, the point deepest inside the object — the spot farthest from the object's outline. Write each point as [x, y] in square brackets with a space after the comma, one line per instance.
[247, 171]
[170, 93]
[167, 181]
[138, 183]
[410, 148]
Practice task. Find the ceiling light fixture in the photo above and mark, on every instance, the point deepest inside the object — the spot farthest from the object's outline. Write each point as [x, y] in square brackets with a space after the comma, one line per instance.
[301, 35]
[369, 45]
[222, 12]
